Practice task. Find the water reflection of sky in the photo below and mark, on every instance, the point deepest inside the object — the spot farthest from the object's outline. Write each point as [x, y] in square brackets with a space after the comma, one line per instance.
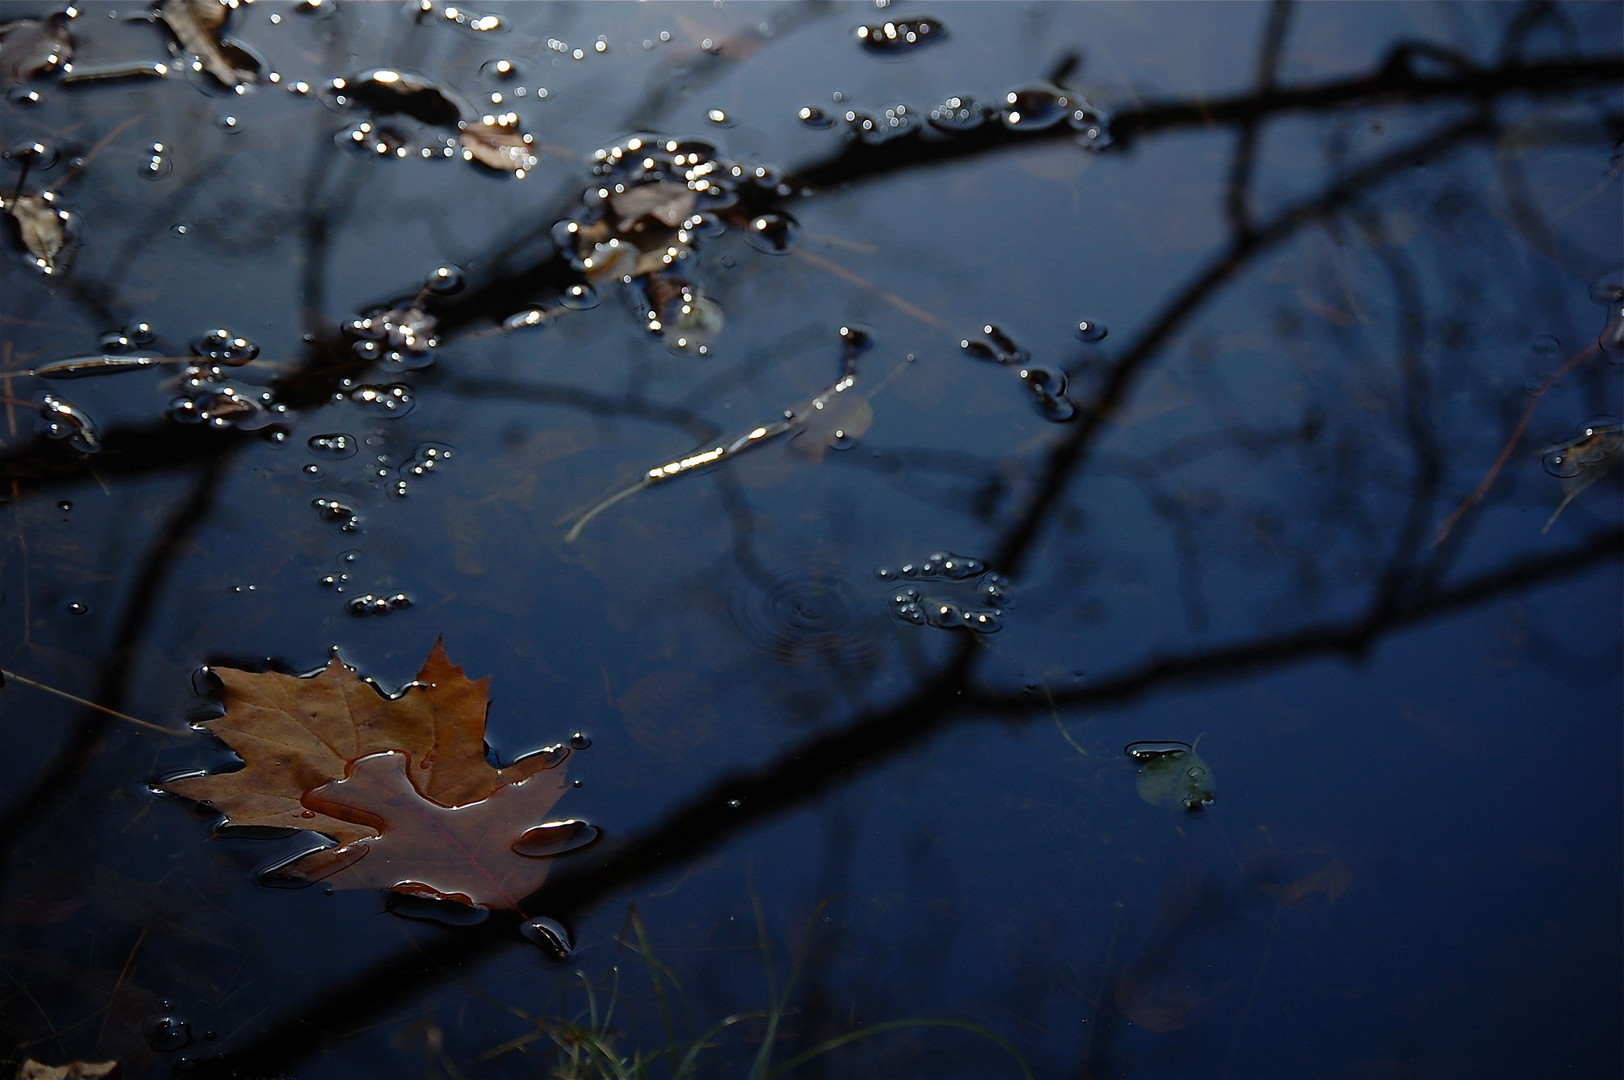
[1412, 866]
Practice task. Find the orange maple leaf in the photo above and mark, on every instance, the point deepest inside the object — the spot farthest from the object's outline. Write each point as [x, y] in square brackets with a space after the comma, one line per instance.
[303, 742]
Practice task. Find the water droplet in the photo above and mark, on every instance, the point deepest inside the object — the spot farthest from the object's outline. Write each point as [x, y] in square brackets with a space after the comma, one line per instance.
[814, 117]
[900, 35]
[422, 905]
[550, 935]
[1035, 108]
[579, 741]
[772, 232]
[222, 346]
[1090, 330]
[169, 1033]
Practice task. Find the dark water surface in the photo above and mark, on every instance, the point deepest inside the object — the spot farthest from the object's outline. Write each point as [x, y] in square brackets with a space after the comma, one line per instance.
[1343, 255]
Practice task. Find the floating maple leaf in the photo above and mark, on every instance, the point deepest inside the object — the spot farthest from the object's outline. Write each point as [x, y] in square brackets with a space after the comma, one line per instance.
[405, 776]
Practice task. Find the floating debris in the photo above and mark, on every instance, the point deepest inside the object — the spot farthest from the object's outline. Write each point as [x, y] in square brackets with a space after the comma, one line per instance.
[77, 367]
[196, 25]
[1172, 774]
[1582, 460]
[45, 228]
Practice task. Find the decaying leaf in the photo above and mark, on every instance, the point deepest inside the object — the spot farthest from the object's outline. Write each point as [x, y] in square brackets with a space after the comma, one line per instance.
[76, 1070]
[317, 754]
[1332, 880]
[196, 25]
[1172, 774]
[30, 47]
[667, 202]
[43, 227]
[499, 143]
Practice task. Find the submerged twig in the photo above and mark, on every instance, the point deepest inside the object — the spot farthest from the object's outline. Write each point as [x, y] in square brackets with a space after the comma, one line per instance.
[1482, 489]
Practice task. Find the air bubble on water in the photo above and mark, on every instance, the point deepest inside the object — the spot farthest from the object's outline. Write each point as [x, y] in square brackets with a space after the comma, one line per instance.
[579, 741]
[900, 35]
[224, 347]
[429, 908]
[76, 608]
[26, 96]
[719, 117]
[772, 232]
[64, 505]
[180, 229]
[814, 117]
[1034, 108]
[228, 123]
[169, 1033]
[1090, 330]
[1148, 750]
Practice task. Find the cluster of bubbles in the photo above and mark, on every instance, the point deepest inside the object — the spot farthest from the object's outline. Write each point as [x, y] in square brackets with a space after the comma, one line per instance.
[1596, 440]
[1028, 109]
[208, 396]
[966, 595]
[1047, 388]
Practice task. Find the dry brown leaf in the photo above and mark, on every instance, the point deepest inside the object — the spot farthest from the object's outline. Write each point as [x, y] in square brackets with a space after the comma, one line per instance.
[196, 25]
[76, 1070]
[298, 734]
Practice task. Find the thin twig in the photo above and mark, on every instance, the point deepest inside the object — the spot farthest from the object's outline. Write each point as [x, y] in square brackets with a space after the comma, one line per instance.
[12, 676]
[1506, 451]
